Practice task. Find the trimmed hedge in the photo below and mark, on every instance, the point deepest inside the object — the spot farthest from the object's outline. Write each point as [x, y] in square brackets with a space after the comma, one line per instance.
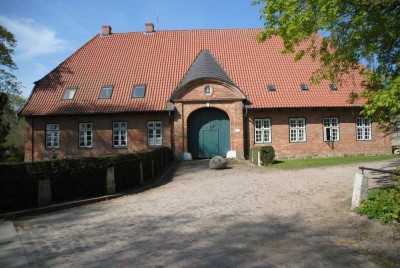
[77, 178]
[267, 155]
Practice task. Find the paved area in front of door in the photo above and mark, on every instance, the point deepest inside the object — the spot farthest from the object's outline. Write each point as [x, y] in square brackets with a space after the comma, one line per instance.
[239, 217]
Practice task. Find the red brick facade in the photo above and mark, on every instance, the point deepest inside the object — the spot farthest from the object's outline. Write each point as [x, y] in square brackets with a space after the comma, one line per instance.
[102, 134]
[223, 97]
[315, 144]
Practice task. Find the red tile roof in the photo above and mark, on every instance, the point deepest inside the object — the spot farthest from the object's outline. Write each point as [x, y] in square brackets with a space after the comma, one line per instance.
[160, 61]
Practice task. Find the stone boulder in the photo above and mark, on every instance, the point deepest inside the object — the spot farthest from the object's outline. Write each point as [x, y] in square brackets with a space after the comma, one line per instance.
[218, 162]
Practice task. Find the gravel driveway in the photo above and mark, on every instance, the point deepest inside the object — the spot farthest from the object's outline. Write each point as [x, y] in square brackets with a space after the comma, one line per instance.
[243, 216]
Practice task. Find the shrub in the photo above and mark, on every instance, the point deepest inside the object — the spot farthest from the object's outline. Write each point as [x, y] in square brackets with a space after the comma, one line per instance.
[267, 155]
[383, 204]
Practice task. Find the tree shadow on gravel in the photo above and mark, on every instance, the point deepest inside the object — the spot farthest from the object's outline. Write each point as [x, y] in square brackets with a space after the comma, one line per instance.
[190, 240]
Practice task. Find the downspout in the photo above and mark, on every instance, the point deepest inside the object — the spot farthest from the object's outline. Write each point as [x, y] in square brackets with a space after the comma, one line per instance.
[246, 137]
[170, 107]
[33, 139]
[246, 130]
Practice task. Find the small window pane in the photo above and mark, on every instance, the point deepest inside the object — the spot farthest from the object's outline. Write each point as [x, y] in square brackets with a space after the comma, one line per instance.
[271, 87]
[69, 94]
[303, 87]
[138, 91]
[106, 92]
[208, 90]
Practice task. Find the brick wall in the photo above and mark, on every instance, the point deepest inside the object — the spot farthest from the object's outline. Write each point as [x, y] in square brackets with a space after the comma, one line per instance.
[315, 145]
[102, 134]
[232, 106]
[223, 97]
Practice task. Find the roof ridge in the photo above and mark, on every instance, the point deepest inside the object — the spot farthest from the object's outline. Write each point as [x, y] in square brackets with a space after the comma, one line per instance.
[190, 30]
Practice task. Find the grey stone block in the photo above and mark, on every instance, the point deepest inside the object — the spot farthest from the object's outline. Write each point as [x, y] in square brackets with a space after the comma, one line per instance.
[218, 162]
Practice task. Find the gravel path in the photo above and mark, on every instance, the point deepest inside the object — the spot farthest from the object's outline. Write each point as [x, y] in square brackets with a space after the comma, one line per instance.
[243, 216]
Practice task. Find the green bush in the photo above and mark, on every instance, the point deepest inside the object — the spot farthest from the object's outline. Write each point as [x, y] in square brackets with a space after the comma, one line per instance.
[267, 155]
[383, 204]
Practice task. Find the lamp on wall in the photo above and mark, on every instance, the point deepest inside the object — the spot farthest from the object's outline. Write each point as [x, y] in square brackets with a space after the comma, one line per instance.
[246, 105]
[170, 108]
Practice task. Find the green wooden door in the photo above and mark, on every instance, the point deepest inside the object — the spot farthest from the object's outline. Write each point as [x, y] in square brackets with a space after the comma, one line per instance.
[208, 133]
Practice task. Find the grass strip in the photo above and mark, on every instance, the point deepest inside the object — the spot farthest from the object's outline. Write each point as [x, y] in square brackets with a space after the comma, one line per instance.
[327, 161]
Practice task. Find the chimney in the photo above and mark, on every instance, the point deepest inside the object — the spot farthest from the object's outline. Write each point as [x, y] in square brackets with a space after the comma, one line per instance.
[106, 30]
[149, 28]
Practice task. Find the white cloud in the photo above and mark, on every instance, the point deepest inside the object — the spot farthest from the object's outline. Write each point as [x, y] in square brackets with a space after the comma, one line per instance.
[33, 39]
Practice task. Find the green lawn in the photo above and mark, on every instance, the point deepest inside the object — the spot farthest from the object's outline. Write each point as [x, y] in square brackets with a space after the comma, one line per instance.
[328, 161]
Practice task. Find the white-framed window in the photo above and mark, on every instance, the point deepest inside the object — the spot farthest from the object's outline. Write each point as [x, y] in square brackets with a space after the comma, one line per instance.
[297, 129]
[120, 133]
[154, 133]
[85, 135]
[262, 130]
[363, 126]
[331, 128]
[52, 136]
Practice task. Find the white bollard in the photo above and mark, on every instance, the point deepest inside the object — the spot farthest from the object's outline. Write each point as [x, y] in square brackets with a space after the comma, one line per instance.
[360, 189]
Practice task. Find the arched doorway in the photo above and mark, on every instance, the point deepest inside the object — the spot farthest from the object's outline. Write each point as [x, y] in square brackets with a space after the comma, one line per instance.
[208, 133]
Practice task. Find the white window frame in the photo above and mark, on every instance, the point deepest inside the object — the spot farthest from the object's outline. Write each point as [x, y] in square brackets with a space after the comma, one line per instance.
[120, 134]
[85, 135]
[363, 129]
[297, 130]
[262, 130]
[331, 128]
[154, 133]
[52, 136]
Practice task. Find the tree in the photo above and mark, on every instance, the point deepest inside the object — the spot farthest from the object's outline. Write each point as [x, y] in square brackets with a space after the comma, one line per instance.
[10, 100]
[4, 126]
[341, 35]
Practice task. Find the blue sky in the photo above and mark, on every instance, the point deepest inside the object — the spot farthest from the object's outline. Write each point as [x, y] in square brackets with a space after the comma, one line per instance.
[49, 31]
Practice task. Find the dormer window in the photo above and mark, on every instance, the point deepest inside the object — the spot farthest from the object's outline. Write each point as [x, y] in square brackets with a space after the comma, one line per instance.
[333, 86]
[106, 92]
[303, 87]
[139, 91]
[69, 94]
[271, 87]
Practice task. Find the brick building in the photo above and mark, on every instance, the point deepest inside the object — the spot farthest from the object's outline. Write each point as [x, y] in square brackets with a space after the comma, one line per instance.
[203, 92]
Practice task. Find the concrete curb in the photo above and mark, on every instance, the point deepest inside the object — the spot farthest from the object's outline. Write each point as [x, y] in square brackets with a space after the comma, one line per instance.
[56, 207]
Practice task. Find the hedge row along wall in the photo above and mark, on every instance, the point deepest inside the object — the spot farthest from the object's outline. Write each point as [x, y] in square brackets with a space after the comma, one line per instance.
[262, 155]
[77, 178]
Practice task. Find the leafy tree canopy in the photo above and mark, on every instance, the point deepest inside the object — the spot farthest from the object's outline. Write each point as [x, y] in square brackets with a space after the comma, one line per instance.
[8, 82]
[341, 34]
[10, 100]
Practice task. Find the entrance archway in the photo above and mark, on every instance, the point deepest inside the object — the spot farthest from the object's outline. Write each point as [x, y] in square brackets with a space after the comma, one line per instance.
[208, 133]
